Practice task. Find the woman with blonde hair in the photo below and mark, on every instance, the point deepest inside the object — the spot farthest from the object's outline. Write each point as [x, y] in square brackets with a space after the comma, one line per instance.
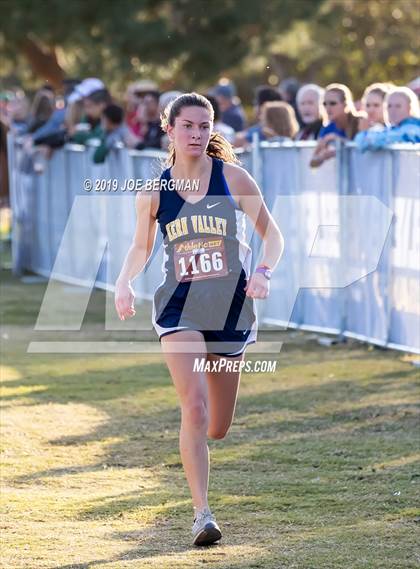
[344, 121]
[373, 102]
[402, 118]
[279, 121]
[73, 117]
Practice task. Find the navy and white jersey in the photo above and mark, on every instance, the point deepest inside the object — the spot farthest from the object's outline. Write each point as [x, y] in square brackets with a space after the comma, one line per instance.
[216, 217]
[206, 262]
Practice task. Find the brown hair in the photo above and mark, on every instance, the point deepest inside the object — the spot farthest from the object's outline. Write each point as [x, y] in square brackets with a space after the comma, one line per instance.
[279, 119]
[42, 105]
[353, 117]
[218, 146]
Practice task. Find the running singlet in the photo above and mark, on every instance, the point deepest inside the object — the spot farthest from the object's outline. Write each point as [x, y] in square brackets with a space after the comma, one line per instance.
[203, 240]
[206, 264]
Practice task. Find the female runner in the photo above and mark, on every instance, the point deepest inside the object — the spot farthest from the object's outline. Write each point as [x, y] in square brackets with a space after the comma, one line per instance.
[204, 308]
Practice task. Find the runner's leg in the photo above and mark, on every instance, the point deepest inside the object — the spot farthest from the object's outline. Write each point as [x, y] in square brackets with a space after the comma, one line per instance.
[191, 387]
[223, 389]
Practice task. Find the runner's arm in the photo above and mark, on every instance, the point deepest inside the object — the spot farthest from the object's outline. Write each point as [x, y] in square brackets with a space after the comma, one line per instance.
[252, 203]
[144, 236]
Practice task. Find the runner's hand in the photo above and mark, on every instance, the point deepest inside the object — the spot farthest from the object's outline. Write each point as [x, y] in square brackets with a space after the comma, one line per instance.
[257, 286]
[124, 300]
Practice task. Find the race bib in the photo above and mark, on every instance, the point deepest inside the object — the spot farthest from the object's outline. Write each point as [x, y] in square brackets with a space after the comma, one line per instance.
[199, 259]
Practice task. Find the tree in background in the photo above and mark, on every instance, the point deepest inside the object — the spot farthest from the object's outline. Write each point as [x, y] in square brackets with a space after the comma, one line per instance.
[188, 44]
[353, 42]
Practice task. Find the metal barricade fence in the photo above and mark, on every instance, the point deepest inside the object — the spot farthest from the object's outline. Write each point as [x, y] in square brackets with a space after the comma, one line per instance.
[351, 228]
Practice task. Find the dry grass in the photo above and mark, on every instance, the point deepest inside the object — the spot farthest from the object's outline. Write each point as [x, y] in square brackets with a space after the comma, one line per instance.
[320, 469]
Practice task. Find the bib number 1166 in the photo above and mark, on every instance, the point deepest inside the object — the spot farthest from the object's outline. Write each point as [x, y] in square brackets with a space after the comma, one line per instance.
[205, 261]
[197, 259]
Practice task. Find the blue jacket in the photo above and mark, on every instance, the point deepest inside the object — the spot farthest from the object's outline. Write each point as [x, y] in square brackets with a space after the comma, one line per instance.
[255, 128]
[234, 117]
[408, 130]
[331, 128]
[53, 124]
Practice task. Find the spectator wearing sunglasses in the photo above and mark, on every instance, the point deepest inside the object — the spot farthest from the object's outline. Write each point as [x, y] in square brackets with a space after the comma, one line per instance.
[344, 122]
[341, 112]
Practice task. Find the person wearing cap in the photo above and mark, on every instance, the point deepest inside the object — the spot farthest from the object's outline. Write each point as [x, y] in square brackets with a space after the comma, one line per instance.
[94, 105]
[85, 88]
[230, 113]
[133, 97]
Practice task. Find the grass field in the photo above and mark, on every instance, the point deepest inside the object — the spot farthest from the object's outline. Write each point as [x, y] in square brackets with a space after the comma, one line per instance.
[321, 468]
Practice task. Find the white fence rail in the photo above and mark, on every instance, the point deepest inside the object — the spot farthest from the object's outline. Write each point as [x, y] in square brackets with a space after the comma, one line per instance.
[351, 264]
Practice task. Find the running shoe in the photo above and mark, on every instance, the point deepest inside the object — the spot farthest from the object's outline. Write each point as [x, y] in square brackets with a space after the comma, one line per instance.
[205, 529]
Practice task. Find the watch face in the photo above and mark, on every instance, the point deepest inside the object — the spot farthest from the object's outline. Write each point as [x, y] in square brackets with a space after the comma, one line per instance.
[268, 274]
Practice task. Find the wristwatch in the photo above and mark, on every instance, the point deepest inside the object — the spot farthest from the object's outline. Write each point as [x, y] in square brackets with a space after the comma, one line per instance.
[265, 270]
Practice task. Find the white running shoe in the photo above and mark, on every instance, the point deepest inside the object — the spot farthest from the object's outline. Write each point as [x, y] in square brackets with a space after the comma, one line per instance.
[205, 529]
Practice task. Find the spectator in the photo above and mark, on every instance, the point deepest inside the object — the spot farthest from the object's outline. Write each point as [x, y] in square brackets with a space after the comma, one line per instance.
[263, 95]
[85, 88]
[114, 131]
[231, 113]
[69, 86]
[278, 120]
[90, 127]
[164, 100]
[18, 110]
[218, 125]
[53, 131]
[131, 103]
[310, 100]
[344, 122]
[148, 114]
[73, 117]
[373, 102]
[289, 88]
[41, 110]
[134, 95]
[402, 118]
